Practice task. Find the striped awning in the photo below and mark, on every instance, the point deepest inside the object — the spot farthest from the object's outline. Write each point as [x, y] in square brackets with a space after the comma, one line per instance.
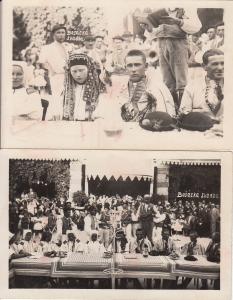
[121, 177]
[192, 162]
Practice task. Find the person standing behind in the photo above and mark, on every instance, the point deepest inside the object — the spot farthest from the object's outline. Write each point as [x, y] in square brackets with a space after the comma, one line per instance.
[115, 63]
[146, 217]
[54, 57]
[105, 226]
[171, 29]
[90, 221]
[100, 48]
[214, 218]
[220, 36]
[135, 218]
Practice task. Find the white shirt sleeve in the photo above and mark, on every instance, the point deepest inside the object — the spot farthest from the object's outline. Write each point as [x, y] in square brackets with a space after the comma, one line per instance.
[191, 22]
[108, 64]
[43, 59]
[186, 105]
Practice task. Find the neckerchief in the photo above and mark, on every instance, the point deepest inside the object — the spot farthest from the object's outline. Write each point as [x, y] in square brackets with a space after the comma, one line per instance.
[217, 91]
[138, 93]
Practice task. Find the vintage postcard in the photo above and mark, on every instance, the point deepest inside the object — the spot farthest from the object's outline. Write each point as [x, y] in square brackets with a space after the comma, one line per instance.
[125, 75]
[116, 224]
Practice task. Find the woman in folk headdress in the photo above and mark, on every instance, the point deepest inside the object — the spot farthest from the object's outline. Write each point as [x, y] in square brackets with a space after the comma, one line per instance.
[82, 88]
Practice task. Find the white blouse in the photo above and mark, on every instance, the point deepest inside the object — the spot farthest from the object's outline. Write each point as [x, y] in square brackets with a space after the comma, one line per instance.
[80, 104]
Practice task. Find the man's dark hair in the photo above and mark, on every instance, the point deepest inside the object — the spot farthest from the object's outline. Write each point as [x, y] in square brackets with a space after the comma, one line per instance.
[209, 53]
[136, 52]
[211, 27]
[99, 37]
[220, 24]
[107, 205]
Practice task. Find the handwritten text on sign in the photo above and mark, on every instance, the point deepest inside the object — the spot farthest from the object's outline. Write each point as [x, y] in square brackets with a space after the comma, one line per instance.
[197, 195]
[76, 35]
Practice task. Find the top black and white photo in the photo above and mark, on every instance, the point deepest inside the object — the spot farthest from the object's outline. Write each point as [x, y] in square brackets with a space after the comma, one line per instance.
[115, 77]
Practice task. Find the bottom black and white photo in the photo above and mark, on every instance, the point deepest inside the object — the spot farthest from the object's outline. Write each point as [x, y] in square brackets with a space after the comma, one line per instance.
[114, 220]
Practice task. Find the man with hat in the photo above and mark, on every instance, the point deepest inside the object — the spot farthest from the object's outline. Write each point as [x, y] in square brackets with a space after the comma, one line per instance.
[54, 57]
[88, 49]
[100, 47]
[115, 63]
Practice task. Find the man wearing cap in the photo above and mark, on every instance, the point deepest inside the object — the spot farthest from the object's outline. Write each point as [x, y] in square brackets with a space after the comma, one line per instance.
[54, 57]
[100, 48]
[115, 63]
[88, 49]
[205, 94]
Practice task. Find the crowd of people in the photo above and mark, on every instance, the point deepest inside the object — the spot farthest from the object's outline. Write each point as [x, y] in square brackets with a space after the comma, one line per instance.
[136, 225]
[162, 70]
[141, 225]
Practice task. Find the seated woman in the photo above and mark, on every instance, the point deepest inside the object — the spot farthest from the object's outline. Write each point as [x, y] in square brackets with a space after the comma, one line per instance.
[25, 105]
[82, 88]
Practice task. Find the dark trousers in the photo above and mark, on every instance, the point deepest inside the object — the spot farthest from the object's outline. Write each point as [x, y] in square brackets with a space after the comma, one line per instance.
[147, 228]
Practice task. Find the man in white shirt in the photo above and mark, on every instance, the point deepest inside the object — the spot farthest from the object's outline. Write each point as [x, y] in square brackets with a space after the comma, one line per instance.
[54, 57]
[220, 36]
[94, 246]
[205, 94]
[141, 93]
[90, 221]
[27, 245]
[211, 43]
